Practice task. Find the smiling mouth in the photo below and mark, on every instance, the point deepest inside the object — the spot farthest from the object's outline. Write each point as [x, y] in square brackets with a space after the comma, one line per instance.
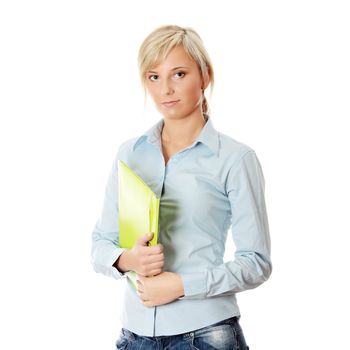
[170, 103]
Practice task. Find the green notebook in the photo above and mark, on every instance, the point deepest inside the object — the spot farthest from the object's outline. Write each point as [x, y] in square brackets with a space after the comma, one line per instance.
[138, 210]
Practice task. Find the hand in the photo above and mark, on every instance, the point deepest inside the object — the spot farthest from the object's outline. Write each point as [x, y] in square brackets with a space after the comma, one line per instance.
[143, 259]
[161, 289]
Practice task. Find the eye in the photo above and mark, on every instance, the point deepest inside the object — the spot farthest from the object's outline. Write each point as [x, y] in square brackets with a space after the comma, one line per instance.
[153, 75]
[181, 73]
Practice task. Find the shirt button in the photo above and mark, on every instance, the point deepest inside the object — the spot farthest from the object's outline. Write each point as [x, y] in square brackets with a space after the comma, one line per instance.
[191, 334]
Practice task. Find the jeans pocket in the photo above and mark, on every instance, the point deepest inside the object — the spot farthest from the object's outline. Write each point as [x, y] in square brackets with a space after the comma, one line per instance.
[123, 341]
[239, 336]
[215, 337]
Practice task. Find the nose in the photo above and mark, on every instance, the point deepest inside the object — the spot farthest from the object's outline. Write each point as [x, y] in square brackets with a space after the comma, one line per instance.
[166, 87]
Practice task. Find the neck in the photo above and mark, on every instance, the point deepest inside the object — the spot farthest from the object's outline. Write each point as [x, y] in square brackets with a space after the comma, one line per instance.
[183, 131]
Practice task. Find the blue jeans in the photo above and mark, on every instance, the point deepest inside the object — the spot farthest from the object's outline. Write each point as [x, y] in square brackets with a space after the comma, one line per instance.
[223, 335]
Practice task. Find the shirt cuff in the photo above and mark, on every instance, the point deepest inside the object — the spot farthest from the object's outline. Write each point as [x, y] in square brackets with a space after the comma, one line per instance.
[120, 251]
[103, 258]
[195, 285]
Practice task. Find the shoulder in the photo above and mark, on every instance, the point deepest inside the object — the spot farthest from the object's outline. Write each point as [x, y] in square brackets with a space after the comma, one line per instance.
[128, 145]
[240, 163]
[125, 148]
[131, 144]
[232, 150]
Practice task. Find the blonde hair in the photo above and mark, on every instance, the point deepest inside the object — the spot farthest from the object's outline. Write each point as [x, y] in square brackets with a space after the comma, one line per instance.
[157, 45]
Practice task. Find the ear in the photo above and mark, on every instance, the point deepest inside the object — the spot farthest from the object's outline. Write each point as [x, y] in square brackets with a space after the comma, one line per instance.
[206, 81]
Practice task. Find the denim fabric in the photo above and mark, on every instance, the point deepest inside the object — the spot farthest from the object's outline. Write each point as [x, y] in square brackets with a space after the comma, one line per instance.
[223, 335]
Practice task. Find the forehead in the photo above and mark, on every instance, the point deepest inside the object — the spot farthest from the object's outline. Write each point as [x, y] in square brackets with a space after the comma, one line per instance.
[176, 57]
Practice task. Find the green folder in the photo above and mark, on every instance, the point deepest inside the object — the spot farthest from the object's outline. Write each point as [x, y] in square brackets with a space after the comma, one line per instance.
[138, 210]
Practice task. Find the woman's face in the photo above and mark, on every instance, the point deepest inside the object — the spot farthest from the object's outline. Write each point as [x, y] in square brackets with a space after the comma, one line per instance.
[178, 79]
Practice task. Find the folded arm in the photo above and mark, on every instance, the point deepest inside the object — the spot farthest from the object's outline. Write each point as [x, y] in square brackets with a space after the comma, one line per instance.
[251, 266]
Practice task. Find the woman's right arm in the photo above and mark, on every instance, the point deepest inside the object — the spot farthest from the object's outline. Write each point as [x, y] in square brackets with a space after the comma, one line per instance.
[106, 255]
[105, 236]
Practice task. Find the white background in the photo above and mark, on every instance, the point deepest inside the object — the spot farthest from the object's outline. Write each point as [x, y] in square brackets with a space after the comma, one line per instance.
[70, 94]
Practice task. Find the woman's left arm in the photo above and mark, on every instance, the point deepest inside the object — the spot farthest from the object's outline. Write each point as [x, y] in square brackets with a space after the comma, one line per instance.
[245, 187]
[252, 266]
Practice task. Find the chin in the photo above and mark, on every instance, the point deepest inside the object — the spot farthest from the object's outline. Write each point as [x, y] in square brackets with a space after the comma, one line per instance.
[170, 115]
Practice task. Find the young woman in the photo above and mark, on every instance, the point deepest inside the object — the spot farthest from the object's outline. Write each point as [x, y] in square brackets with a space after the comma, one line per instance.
[207, 181]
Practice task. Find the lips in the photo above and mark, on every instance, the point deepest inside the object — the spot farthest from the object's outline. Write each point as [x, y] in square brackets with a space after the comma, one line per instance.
[170, 103]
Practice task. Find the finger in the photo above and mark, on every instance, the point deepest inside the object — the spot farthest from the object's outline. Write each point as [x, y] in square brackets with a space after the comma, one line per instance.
[139, 278]
[154, 249]
[155, 266]
[140, 290]
[139, 287]
[154, 273]
[156, 258]
[148, 303]
[144, 239]
[152, 261]
[161, 247]
[142, 297]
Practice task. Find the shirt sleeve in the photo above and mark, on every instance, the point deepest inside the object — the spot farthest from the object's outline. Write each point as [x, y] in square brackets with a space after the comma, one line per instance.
[251, 266]
[105, 236]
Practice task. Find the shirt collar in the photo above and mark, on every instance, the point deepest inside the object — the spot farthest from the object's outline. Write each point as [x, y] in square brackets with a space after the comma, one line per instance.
[208, 135]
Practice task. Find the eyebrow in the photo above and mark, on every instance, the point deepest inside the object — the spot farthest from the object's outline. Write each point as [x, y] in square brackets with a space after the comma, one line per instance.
[151, 71]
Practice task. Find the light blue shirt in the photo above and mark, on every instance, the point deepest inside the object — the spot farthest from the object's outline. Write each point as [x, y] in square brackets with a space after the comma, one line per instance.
[204, 189]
